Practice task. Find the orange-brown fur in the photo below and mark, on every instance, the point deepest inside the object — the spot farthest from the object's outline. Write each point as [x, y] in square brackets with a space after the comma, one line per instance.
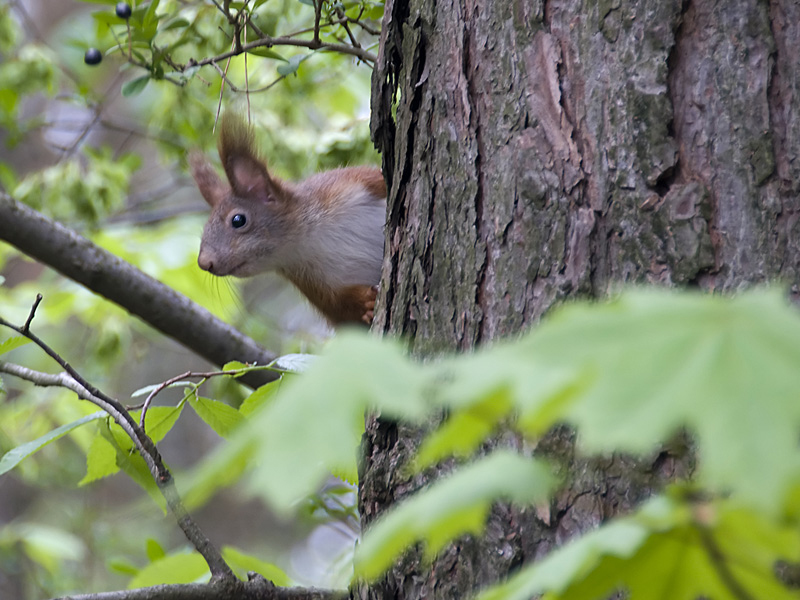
[351, 304]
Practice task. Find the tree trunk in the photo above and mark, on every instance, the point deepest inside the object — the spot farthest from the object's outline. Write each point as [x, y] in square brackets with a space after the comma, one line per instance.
[542, 150]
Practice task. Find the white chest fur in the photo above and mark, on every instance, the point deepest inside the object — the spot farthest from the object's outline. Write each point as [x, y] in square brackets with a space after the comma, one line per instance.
[343, 244]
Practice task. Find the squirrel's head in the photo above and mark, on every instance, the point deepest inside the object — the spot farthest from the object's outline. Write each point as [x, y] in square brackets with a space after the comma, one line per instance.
[252, 214]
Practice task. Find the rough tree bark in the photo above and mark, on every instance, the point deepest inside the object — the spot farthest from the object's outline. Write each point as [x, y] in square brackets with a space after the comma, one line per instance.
[542, 150]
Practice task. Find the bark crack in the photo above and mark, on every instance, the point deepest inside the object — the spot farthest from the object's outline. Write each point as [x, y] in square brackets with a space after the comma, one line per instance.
[776, 129]
[670, 175]
[673, 66]
[483, 235]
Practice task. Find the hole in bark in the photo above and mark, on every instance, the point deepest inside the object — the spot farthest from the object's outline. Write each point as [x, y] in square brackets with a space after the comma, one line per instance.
[665, 180]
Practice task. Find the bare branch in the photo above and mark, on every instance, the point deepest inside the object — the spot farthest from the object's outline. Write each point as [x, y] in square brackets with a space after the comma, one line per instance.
[256, 589]
[317, 17]
[111, 277]
[343, 20]
[27, 325]
[144, 445]
[269, 42]
[182, 377]
[40, 379]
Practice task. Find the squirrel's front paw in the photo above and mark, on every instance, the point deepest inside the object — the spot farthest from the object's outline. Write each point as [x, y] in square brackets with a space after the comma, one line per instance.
[369, 305]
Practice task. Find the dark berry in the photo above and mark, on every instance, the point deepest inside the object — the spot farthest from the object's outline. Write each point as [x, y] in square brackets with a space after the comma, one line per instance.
[238, 221]
[93, 56]
[123, 10]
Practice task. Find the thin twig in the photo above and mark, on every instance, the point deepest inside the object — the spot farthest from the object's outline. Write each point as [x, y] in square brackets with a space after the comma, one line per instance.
[98, 112]
[221, 90]
[269, 42]
[238, 90]
[205, 376]
[147, 449]
[225, 80]
[36, 303]
[317, 17]
[246, 71]
[155, 392]
[346, 27]
[368, 28]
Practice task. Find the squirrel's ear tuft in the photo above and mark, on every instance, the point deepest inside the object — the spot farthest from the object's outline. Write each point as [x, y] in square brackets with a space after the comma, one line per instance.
[208, 182]
[246, 170]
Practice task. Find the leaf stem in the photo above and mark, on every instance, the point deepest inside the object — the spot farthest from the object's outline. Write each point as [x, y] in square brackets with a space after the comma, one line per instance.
[717, 559]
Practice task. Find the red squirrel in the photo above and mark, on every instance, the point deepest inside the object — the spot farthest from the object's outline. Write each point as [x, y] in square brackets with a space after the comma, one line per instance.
[324, 234]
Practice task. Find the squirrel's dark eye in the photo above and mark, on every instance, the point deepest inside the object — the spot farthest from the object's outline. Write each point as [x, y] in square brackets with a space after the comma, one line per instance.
[238, 221]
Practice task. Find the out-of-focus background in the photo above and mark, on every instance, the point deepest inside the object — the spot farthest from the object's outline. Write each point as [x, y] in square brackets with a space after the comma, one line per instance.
[112, 165]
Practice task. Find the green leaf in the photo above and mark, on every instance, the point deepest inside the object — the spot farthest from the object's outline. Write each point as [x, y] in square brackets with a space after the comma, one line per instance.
[266, 53]
[219, 416]
[150, 17]
[629, 374]
[452, 506]
[122, 566]
[221, 468]
[233, 365]
[292, 64]
[315, 424]
[16, 455]
[12, 343]
[144, 391]
[48, 546]
[159, 420]
[135, 86]
[465, 430]
[260, 397]
[101, 460]
[131, 462]
[295, 363]
[244, 563]
[107, 18]
[656, 362]
[668, 549]
[154, 550]
[175, 24]
[175, 568]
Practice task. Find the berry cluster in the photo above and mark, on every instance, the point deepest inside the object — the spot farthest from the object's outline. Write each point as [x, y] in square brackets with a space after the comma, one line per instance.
[93, 56]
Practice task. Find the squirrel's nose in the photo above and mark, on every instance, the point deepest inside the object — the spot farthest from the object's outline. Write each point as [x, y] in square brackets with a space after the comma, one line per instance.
[205, 261]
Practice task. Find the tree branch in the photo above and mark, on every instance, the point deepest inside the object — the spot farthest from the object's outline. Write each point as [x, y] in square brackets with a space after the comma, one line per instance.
[109, 276]
[269, 42]
[144, 445]
[47, 379]
[257, 588]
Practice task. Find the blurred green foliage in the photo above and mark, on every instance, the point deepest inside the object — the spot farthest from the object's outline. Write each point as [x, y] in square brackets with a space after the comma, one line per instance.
[629, 375]
[725, 371]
